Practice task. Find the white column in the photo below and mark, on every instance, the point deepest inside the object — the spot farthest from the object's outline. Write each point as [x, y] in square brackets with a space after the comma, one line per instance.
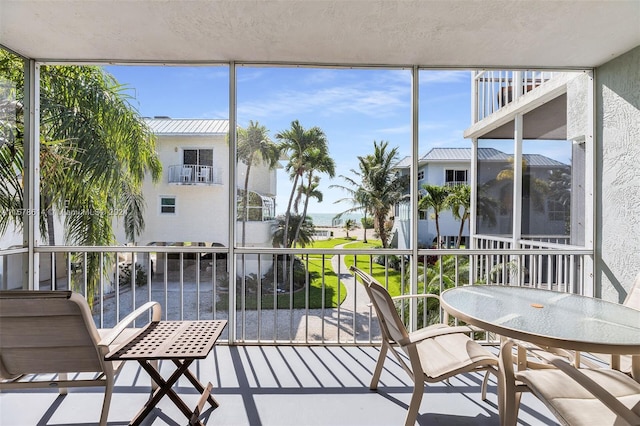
[31, 196]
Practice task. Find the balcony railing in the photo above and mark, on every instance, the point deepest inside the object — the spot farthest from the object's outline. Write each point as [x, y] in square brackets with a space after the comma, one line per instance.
[188, 174]
[496, 89]
[310, 306]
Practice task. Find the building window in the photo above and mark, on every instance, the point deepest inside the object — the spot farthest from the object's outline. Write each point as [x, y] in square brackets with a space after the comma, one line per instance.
[197, 157]
[455, 177]
[423, 215]
[167, 205]
[555, 210]
[421, 175]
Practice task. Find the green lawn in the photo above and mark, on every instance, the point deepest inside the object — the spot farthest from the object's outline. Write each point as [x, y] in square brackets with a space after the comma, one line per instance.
[298, 300]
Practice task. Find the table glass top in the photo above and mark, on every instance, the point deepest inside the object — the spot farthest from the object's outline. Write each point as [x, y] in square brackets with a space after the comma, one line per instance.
[544, 313]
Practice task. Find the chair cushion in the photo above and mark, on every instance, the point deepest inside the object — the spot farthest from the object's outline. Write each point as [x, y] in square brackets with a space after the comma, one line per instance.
[450, 354]
[573, 404]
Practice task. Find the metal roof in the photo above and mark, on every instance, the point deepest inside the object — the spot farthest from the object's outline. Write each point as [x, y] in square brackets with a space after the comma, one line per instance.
[187, 126]
[484, 154]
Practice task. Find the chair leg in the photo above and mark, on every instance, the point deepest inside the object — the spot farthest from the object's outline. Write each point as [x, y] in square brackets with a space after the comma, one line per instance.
[416, 399]
[106, 403]
[65, 377]
[485, 383]
[379, 364]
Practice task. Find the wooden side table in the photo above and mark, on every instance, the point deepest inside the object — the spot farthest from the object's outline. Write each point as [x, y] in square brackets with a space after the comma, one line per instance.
[181, 342]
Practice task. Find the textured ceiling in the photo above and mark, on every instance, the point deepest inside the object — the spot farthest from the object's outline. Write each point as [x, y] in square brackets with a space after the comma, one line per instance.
[360, 32]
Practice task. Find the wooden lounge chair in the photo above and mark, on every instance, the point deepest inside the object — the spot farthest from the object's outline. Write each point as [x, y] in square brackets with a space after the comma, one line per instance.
[577, 397]
[435, 353]
[45, 335]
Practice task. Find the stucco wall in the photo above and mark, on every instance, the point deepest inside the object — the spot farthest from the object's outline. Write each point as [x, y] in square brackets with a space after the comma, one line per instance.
[618, 175]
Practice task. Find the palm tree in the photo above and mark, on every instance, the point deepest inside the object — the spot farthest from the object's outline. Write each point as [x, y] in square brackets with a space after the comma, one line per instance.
[436, 199]
[534, 191]
[95, 152]
[349, 225]
[460, 204]
[308, 152]
[318, 161]
[254, 147]
[383, 187]
[305, 236]
[359, 199]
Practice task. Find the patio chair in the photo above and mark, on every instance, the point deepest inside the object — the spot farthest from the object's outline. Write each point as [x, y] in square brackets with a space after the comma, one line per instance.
[618, 362]
[435, 353]
[185, 174]
[574, 396]
[44, 335]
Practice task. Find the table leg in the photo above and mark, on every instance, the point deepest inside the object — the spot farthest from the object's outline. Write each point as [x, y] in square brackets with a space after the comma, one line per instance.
[164, 388]
[196, 384]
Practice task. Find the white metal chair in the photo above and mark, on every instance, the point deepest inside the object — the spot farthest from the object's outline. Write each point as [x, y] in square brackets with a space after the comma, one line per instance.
[185, 174]
[435, 353]
[577, 397]
[45, 335]
[203, 174]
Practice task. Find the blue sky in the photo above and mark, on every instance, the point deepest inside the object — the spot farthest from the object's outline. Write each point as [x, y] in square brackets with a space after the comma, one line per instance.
[353, 107]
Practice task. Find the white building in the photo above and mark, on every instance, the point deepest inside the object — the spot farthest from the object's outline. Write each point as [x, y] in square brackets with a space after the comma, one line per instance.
[452, 167]
[189, 205]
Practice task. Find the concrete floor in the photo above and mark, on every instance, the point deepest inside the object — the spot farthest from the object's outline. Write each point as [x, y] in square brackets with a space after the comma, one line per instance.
[276, 385]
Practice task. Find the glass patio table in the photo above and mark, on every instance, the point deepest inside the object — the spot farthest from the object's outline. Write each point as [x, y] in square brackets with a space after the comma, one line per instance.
[549, 318]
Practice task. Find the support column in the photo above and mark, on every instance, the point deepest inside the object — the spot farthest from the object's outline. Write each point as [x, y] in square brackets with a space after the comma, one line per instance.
[31, 195]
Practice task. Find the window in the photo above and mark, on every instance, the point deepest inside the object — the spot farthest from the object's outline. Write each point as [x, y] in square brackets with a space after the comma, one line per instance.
[423, 215]
[198, 157]
[455, 177]
[167, 205]
[420, 174]
[556, 210]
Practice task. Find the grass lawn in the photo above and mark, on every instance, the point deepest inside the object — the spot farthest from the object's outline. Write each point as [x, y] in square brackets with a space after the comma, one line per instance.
[377, 271]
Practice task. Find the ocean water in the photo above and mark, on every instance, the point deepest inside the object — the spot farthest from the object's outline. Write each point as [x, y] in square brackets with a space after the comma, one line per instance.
[327, 219]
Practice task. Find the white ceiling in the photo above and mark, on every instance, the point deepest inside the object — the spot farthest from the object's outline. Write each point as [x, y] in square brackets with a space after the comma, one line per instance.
[525, 33]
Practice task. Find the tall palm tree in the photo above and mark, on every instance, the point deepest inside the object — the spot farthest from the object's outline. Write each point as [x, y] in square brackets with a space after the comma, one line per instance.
[254, 147]
[460, 204]
[95, 152]
[436, 199]
[383, 187]
[318, 161]
[307, 150]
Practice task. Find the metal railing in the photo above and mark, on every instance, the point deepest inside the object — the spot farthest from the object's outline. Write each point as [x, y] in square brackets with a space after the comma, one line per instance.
[188, 174]
[495, 89]
[292, 296]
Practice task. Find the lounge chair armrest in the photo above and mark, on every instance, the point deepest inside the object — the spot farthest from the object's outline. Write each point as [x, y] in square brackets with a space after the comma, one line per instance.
[124, 323]
[416, 296]
[598, 391]
[429, 333]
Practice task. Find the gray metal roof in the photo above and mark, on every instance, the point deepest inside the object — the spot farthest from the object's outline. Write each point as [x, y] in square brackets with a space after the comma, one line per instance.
[187, 126]
[484, 154]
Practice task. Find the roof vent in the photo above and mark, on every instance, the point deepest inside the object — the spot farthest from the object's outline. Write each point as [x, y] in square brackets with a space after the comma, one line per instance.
[164, 117]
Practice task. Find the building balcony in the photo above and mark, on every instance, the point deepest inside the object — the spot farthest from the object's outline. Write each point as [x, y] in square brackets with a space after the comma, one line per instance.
[186, 174]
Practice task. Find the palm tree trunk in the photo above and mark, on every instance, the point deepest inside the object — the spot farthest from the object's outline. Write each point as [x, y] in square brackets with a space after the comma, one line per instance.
[364, 225]
[304, 211]
[437, 230]
[245, 202]
[381, 231]
[285, 240]
[459, 241]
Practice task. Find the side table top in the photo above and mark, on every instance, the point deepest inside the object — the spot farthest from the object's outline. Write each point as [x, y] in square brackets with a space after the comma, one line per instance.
[170, 340]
